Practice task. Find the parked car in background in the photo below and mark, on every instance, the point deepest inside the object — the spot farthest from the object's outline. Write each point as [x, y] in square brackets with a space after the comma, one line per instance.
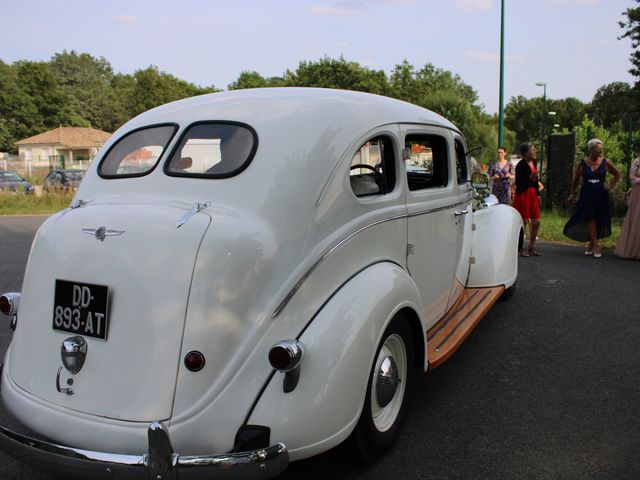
[62, 180]
[257, 276]
[10, 181]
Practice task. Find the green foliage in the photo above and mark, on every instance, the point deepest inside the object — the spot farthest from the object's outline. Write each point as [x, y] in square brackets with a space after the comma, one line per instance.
[632, 31]
[525, 116]
[251, 79]
[614, 104]
[331, 73]
[76, 89]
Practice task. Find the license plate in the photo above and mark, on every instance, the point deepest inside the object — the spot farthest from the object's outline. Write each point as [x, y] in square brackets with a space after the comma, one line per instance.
[81, 308]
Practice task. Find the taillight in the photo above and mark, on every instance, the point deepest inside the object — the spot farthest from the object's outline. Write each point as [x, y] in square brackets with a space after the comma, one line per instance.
[194, 361]
[286, 355]
[9, 303]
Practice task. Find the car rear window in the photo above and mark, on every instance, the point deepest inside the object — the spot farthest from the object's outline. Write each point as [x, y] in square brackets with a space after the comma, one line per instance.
[137, 153]
[213, 150]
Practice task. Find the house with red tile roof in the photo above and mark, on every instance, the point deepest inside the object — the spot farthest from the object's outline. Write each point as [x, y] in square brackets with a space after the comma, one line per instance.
[62, 146]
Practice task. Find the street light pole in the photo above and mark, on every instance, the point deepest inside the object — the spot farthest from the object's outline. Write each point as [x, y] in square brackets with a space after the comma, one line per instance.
[501, 107]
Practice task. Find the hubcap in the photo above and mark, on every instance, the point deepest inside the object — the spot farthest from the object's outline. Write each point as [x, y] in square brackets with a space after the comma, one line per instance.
[387, 384]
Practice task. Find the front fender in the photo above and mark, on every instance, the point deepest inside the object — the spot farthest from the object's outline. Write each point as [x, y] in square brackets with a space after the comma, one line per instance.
[495, 247]
[340, 344]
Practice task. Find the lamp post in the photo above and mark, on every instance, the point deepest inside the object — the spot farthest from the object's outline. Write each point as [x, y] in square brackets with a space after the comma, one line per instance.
[544, 109]
[501, 101]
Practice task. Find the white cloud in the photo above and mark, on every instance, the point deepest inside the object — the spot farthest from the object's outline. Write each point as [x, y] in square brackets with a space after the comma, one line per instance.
[335, 11]
[491, 57]
[126, 19]
[560, 3]
[351, 8]
[474, 5]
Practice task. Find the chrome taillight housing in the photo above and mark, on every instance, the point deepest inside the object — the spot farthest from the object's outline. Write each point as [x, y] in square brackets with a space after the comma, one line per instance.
[9, 303]
[286, 356]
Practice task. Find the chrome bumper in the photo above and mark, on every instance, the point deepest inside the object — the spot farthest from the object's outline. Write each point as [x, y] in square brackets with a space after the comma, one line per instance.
[160, 463]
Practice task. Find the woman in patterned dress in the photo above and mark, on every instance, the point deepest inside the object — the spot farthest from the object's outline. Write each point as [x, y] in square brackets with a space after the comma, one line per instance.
[501, 172]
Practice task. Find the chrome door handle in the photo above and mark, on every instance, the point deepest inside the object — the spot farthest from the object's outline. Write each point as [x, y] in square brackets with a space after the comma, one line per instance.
[458, 213]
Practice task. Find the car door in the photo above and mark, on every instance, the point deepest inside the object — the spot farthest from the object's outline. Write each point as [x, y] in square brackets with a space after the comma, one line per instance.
[463, 214]
[432, 225]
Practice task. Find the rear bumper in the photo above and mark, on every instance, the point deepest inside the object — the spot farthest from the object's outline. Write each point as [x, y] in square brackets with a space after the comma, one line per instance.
[160, 462]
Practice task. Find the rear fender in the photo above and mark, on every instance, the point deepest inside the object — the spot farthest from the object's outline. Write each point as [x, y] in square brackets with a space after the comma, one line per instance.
[496, 241]
[339, 347]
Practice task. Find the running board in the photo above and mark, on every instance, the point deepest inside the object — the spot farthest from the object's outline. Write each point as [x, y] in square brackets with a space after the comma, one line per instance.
[444, 338]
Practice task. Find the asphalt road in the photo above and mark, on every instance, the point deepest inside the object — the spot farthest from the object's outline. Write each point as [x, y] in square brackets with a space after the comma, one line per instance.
[546, 387]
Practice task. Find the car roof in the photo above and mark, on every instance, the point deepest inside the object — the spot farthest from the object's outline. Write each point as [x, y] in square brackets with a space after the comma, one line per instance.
[261, 106]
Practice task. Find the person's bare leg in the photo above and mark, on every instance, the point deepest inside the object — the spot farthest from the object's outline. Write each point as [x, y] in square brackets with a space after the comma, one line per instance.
[535, 226]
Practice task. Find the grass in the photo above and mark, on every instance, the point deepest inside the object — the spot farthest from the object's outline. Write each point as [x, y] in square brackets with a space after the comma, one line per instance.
[21, 204]
[552, 222]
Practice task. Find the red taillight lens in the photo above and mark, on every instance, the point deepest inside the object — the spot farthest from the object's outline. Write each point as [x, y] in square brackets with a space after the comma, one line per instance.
[279, 357]
[9, 303]
[194, 361]
[5, 305]
[285, 355]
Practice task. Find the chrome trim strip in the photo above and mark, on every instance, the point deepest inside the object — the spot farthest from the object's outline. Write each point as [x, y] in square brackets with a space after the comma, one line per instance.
[197, 207]
[345, 240]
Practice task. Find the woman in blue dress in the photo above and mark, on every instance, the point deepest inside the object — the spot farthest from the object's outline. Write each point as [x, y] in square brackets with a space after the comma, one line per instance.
[591, 218]
[501, 172]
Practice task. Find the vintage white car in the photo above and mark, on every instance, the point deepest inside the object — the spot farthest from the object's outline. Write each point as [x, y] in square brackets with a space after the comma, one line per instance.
[246, 279]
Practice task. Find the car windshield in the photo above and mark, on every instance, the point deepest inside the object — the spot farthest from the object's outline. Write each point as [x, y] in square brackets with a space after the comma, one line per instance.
[9, 177]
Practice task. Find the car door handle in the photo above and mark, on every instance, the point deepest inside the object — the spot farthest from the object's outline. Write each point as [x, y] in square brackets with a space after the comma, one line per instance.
[458, 213]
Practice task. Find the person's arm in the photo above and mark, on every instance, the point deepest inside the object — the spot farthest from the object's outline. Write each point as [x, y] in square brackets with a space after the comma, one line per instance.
[574, 182]
[611, 168]
[634, 173]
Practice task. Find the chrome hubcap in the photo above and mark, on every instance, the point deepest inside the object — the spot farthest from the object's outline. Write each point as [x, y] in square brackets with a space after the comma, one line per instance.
[387, 384]
[386, 381]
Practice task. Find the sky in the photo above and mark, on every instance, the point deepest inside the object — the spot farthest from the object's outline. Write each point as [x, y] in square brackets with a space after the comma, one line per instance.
[571, 45]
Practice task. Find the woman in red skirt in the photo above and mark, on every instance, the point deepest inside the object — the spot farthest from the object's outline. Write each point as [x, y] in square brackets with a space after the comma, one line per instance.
[527, 199]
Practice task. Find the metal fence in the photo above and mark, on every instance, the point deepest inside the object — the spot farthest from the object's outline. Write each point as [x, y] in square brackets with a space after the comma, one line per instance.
[41, 166]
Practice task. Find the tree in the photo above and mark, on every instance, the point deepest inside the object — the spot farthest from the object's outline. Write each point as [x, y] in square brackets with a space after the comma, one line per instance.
[632, 27]
[330, 73]
[251, 79]
[444, 93]
[613, 105]
[88, 83]
[151, 88]
[525, 116]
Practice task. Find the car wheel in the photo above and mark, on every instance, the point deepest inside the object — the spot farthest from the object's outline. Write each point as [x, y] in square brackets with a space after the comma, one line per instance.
[388, 390]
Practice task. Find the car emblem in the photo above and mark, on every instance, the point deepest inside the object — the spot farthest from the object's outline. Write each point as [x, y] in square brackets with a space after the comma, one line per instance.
[102, 232]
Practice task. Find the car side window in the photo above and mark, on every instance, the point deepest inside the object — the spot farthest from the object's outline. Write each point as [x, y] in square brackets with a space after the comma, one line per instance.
[462, 167]
[372, 169]
[426, 162]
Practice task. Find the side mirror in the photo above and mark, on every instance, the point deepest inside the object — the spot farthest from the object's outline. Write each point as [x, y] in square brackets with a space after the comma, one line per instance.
[479, 181]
